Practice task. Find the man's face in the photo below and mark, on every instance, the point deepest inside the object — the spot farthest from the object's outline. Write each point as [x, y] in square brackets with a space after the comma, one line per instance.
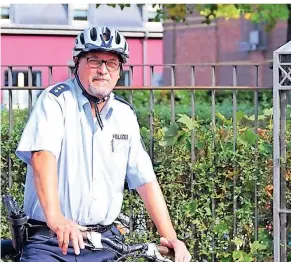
[99, 80]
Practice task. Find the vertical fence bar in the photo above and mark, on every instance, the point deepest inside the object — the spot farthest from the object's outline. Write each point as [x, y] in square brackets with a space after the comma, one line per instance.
[151, 116]
[276, 159]
[151, 125]
[173, 83]
[50, 75]
[283, 107]
[131, 191]
[193, 156]
[130, 84]
[10, 106]
[234, 103]
[29, 91]
[213, 148]
[256, 104]
[193, 117]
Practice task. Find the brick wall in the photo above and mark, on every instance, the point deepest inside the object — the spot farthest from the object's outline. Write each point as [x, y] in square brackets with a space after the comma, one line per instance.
[220, 42]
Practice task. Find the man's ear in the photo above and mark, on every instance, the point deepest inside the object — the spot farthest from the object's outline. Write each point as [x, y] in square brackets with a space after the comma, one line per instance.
[75, 59]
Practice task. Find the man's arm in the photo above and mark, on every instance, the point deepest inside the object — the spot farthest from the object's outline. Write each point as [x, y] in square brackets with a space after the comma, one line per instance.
[155, 204]
[44, 166]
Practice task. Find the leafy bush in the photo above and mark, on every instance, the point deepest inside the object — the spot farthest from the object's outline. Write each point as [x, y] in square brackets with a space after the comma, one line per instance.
[199, 194]
[202, 207]
[203, 101]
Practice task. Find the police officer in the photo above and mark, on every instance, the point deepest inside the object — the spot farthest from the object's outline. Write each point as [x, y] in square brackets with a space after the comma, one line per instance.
[80, 144]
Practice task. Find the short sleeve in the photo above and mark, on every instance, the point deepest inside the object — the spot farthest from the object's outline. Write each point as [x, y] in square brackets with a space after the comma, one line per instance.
[139, 168]
[44, 129]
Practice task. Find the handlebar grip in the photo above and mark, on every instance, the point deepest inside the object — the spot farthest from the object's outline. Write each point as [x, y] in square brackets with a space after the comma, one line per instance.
[165, 251]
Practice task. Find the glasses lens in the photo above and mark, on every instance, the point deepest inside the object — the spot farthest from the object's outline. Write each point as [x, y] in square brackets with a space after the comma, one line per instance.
[94, 63]
[112, 66]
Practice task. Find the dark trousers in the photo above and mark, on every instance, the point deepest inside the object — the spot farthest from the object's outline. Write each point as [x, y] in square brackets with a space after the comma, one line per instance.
[39, 248]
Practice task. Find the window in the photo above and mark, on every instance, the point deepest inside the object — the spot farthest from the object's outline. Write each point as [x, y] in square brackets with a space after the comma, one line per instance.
[124, 79]
[80, 12]
[20, 78]
[20, 97]
[5, 14]
[80, 15]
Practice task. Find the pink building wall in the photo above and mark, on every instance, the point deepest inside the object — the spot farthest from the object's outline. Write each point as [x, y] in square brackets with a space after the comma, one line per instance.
[40, 51]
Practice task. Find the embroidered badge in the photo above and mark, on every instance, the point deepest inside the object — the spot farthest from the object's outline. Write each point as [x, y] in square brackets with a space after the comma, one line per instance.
[58, 89]
[118, 137]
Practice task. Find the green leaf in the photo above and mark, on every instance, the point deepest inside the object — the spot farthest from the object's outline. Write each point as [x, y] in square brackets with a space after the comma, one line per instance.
[168, 141]
[268, 112]
[188, 144]
[187, 121]
[181, 137]
[172, 130]
[241, 256]
[221, 228]
[238, 242]
[193, 205]
[265, 148]
[223, 119]
[249, 136]
[208, 211]
[239, 116]
[257, 246]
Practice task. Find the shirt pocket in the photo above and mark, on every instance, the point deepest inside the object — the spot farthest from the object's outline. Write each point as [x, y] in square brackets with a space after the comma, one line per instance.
[119, 155]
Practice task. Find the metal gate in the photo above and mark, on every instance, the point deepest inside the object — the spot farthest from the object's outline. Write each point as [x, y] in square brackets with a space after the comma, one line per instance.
[281, 99]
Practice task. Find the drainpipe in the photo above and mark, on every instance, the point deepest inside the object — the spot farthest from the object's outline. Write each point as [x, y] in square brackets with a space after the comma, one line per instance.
[144, 44]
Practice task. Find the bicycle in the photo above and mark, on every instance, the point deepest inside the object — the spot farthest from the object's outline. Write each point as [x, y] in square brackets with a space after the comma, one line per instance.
[11, 249]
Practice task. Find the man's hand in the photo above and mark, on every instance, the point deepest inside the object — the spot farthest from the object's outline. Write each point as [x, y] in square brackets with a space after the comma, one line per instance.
[181, 252]
[67, 231]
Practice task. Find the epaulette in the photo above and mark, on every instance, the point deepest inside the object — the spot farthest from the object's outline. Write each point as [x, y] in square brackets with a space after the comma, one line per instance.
[59, 88]
[118, 98]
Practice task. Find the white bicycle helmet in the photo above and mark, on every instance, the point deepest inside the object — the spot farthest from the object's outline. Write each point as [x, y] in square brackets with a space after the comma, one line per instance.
[103, 38]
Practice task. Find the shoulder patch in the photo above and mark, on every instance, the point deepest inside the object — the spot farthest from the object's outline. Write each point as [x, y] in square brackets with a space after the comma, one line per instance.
[118, 98]
[58, 89]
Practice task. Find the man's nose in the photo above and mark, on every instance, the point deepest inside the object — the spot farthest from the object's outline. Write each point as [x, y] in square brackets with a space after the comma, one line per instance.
[102, 69]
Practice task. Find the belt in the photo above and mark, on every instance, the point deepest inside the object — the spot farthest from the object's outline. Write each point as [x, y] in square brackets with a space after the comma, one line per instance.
[36, 227]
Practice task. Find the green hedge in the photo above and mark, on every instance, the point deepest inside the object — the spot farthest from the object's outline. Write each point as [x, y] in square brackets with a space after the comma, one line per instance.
[203, 101]
[202, 207]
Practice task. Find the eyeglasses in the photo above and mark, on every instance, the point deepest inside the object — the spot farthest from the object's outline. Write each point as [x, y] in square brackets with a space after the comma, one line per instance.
[96, 63]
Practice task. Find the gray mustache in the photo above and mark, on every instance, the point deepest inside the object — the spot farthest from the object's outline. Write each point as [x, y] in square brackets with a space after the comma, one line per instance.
[98, 78]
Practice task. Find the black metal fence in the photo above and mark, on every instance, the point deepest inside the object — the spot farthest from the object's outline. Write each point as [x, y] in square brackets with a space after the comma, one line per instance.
[10, 91]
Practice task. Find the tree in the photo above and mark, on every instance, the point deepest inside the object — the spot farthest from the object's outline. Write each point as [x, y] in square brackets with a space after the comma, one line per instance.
[269, 14]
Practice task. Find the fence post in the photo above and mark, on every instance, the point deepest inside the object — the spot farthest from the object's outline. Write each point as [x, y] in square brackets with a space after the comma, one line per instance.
[281, 84]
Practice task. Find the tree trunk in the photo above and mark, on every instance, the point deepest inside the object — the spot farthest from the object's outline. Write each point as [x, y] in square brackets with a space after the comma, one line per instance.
[289, 23]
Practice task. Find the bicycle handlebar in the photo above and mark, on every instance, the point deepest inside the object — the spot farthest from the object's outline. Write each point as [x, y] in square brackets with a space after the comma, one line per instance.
[126, 249]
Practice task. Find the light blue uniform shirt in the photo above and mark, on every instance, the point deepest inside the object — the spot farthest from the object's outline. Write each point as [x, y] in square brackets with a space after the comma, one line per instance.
[92, 163]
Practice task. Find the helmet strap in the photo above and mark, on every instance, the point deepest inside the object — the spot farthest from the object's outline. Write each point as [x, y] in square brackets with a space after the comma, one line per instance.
[91, 98]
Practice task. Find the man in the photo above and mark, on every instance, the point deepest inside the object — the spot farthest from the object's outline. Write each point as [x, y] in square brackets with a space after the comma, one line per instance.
[80, 143]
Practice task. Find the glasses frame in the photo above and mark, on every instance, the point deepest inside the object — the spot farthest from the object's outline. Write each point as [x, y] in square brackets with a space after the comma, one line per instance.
[103, 62]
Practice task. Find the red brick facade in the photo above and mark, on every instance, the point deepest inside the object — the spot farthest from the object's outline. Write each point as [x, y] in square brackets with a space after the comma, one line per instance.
[220, 42]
